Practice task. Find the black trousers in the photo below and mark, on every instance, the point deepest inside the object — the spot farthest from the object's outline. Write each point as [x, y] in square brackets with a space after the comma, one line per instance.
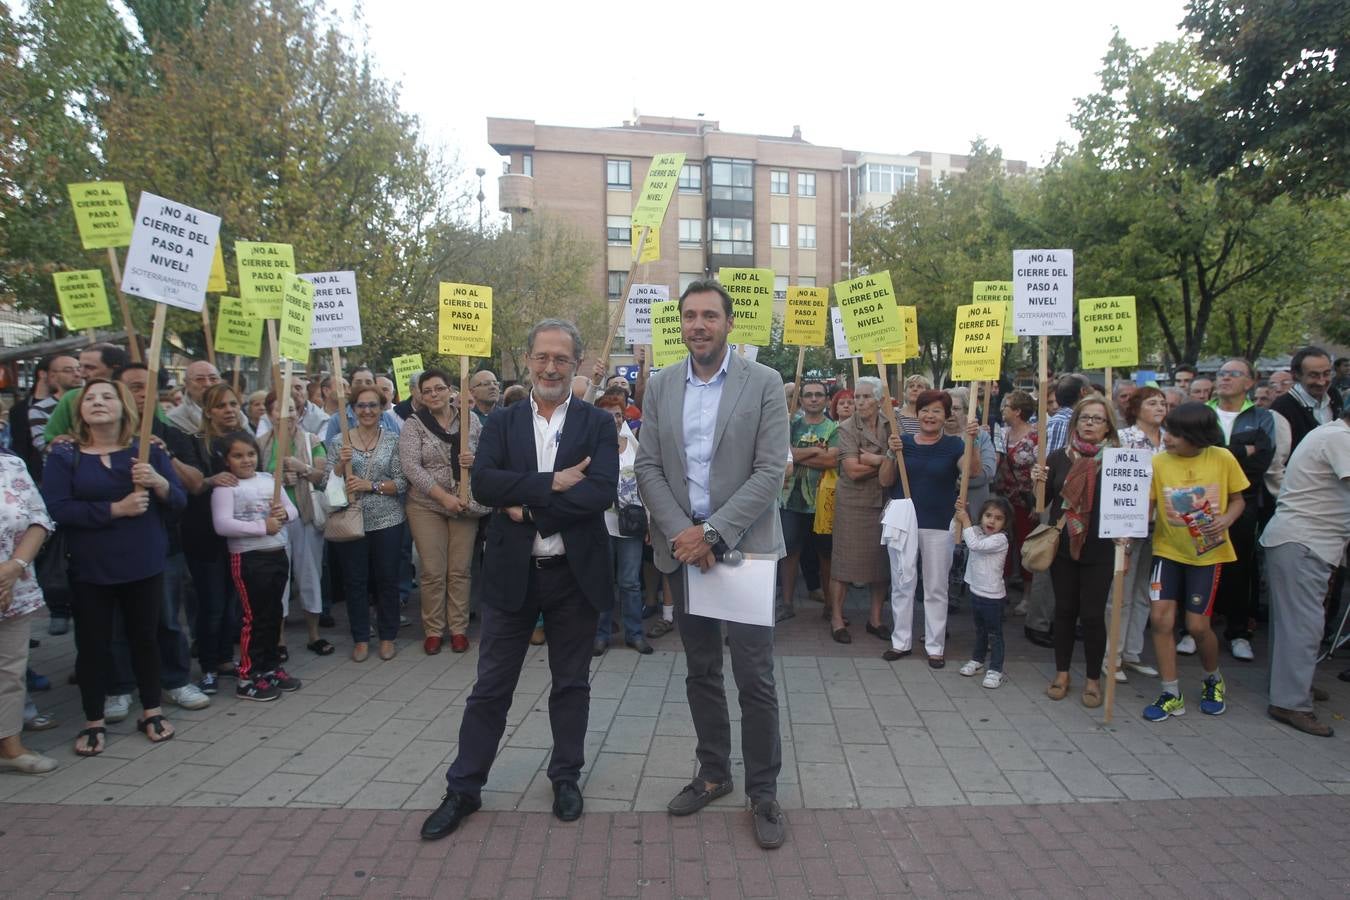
[93, 606]
[569, 626]
[260, 577]
[1081, 592]
[1237, 596]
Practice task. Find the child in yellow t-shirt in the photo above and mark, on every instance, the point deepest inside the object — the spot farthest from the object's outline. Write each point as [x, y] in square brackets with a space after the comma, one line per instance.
[1197, 494]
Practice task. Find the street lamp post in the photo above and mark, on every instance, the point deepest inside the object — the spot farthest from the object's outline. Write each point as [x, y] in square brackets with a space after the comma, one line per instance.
[481, 197]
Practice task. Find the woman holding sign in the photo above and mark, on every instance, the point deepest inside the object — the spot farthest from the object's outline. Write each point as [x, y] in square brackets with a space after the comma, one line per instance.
[376, 481]
[443, 526]
[1084, 562]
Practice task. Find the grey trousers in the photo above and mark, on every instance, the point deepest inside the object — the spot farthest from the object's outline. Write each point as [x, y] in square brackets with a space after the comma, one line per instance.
[1040, 603]
[1298, 585]
[751, 649]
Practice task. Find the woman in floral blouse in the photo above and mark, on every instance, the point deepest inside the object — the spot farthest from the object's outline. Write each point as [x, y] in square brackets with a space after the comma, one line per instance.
[24, 525]
[1013, 479]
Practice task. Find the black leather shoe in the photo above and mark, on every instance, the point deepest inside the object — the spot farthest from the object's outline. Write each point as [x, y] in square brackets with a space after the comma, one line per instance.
[567, 803]
[640, 645]
[879, 631]
[600, 646]
[769, 824]
[455, 808]
[1039, 638]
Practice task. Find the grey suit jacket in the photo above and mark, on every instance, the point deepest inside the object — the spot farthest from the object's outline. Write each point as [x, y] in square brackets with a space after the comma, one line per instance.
[750, 452]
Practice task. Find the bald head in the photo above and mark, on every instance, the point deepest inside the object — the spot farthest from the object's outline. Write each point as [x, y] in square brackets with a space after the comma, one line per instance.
[200, 376]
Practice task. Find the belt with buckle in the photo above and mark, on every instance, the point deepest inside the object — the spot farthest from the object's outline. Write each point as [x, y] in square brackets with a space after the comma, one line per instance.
[548, 562]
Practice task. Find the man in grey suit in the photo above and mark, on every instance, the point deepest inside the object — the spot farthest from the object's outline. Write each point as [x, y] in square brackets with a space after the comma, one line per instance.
[710, 465]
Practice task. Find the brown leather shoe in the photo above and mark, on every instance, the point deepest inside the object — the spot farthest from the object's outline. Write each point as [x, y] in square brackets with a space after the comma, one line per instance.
[360, 651]
[537, 638]
[1305, 722]
[388, 650]
[432, 645]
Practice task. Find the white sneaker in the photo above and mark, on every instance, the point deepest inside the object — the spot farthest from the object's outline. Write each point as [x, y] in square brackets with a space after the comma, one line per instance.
[1140, 668]
[1020, 609]
[1120, 677]
[971, 668]
[1242, 649]
[189, 696]
[1186, 646]
[116, 707]
[992, 679]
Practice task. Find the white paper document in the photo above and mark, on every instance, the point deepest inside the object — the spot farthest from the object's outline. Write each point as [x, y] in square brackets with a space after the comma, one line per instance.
[740, 593]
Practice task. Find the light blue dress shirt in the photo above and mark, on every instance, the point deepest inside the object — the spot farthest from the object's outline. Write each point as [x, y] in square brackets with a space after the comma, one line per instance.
[701, 399]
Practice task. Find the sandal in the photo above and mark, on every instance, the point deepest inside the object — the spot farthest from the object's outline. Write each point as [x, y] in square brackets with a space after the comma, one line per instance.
[155, 723]
[1057, 691]
[320, 647]
[283, 655]
[1092, 697]
[93, 737]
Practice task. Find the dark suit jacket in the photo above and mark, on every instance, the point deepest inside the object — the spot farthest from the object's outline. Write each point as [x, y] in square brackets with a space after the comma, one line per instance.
[1301, 418]
[506, 473]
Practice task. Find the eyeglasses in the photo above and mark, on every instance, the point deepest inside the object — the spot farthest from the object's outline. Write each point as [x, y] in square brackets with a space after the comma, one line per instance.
[367, 406]
[438, 389]
[1232, 373]
[813, 395]
[1092, 420]
[543, 359]
[475, 387]
[67, 370]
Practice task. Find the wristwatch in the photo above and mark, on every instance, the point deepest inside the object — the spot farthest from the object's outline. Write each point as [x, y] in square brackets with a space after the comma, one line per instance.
[710, 535]
[23, 563]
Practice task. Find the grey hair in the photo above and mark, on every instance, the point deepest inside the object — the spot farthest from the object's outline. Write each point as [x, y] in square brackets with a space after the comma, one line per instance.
[871, 381]
[578, 346]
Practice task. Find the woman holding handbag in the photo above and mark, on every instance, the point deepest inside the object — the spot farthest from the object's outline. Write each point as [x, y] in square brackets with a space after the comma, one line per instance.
[302, 470]
[1084, 562]
[626, 522]
[443, 526]
[375, 484]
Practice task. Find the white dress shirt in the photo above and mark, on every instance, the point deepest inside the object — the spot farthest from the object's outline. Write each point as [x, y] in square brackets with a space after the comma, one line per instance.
[701, 399]
[547, 436]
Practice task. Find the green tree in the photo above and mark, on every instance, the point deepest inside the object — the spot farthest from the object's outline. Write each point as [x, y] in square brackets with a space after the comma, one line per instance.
[1279, 117]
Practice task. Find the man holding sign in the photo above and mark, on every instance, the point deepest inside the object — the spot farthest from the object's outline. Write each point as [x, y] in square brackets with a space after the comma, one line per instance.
[710, 466]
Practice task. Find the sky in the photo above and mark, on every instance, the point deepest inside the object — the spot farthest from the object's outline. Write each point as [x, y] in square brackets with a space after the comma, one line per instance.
[879, 76]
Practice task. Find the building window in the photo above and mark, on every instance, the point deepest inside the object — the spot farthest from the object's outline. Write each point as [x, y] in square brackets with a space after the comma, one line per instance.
[731, 237]
[691, 178]
[619, 229]
[733, 179]
[691, 231]
[883, 179]
[806, 184]
[527, 164]
[806, 237]
[688, 278]
[806, 281]
[616, 280]
[778, 182]
[780, 286]
[619, 173]
[778, 234]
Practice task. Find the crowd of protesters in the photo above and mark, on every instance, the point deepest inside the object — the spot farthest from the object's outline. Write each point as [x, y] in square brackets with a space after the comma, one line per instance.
[193, 551]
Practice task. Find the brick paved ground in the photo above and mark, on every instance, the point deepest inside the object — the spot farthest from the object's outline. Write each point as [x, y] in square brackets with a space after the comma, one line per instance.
[898, 779]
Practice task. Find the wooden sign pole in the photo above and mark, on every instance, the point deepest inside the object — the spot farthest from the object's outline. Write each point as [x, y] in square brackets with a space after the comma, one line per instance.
[797, 381]
[617, 318]
[970, 445]
[466, 410]
[856, 373]
[133, 344]
[988, 401]
[238, 363]
[1109, 398]
[1113, 636]
[890, 417]
[1043, 388]
[276, 361]
[206, 330]
[152, 379]
[282, 440]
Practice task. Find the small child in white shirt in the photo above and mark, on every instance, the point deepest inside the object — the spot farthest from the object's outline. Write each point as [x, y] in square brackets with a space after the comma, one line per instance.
[987, 544]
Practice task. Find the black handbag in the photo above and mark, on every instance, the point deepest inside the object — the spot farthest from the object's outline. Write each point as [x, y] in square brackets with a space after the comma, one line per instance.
[632, 521]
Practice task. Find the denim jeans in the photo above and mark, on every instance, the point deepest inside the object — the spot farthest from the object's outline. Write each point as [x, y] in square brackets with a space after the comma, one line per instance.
[628, 571]
[988, 630]
[175, 661]
[377, 555]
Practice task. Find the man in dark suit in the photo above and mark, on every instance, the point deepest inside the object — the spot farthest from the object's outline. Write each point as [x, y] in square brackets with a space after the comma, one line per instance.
[550, 467]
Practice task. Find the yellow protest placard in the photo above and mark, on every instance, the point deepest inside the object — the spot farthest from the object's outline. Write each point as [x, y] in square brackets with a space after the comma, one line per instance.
[297, 320]
[872, 321]
[997, 292]
[651, 248]
[910, 317]
[405, 367]
[262, 276]
[667, 339]
[465, 321]
[806, 316]
[102, 214]
[751, 293]
[83, 298]
[1108, 331]
[891, 356]
[662, 177]
[237, 333]
[216, 282]
[977, 350]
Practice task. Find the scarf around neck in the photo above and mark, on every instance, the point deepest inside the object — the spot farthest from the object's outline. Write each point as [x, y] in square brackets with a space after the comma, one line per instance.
[1079, 493]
